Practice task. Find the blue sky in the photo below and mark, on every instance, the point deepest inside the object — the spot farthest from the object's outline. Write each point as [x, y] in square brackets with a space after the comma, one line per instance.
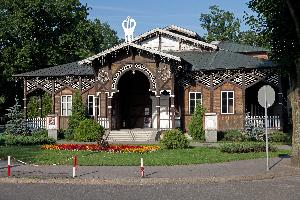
[159, 13]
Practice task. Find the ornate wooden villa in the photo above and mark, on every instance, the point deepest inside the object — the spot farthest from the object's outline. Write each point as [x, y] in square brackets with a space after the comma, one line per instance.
[154, 81]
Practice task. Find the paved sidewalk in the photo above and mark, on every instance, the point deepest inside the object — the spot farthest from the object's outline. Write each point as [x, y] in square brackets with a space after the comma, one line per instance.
[237, 170]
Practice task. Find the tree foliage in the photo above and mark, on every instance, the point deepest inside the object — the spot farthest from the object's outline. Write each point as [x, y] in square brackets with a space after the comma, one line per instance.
[196, 124]
[16, 124]
[33, 106]
[275, 21]
[282, 21]
[78, 111]
[39, 33]
[220, 25]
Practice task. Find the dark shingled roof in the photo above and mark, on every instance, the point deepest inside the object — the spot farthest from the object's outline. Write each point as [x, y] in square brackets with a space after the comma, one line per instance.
[69, 69]
[236, 47]
[221, 60]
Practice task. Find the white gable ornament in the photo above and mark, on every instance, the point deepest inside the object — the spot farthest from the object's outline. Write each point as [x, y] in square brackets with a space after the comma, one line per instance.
[128, 27]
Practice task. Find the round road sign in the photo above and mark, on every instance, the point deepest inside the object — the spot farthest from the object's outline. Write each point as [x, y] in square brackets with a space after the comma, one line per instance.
[266, 95]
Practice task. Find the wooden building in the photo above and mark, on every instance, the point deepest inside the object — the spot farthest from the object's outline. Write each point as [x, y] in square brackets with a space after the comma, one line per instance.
[155, 81]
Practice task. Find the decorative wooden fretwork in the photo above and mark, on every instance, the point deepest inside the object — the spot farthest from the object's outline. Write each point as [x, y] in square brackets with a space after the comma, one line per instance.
[57, 84]
[251, 77]
[127, 67]
[102, 76]
[35, 83]
[87, 83]
[164, 73]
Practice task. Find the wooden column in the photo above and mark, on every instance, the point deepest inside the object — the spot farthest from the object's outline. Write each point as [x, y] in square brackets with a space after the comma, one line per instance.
[25, 98]
[159, 42]
[53, 96]
[97, 106]
[40, 105]
[80, 84]
[211, 95]
[172, 95]
[244, 98]
[109, 111]
[109, 98]
[172, 110]
[158, 110]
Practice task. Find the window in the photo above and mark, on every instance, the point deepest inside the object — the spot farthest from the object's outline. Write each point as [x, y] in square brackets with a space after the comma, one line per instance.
[195, 97]
[227, 102]
[66, 105]
[92, 105]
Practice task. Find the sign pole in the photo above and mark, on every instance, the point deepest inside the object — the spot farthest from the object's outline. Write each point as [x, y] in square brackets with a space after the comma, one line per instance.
[266, 128]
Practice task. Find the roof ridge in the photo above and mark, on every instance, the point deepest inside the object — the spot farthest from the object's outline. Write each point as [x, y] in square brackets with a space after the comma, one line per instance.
[175, 35]
[124, 44]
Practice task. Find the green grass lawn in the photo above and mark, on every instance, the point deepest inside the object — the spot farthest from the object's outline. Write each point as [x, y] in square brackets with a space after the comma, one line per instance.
[196, 155]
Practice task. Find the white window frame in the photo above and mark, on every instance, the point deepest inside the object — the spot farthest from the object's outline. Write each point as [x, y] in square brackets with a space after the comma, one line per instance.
[94, 105]
[194, 100]
[67, 105]
[233, 102]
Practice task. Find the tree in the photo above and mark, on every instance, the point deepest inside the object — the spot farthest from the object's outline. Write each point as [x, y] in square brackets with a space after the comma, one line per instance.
[196, 124]
[78, 111]
[16, 124]
[39, 33]
[220, 25]
[282, 22]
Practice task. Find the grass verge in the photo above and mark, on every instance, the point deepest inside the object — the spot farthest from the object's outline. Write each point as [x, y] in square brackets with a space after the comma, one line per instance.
[196, 155]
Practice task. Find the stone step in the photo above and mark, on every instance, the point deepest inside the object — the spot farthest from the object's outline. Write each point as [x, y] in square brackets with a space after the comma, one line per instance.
[131, 135]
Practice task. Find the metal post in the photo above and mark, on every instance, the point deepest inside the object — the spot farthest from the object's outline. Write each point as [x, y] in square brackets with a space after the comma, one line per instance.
[266, 127]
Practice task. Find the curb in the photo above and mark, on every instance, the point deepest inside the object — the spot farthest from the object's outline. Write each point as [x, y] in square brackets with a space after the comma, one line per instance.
[146, 181]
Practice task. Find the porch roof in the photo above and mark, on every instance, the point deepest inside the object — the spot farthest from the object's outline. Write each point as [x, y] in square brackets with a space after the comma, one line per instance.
[69, 69]
[221, 60]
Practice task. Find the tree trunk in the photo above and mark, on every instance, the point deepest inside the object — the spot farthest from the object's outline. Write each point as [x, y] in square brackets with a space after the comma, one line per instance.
[294, 96]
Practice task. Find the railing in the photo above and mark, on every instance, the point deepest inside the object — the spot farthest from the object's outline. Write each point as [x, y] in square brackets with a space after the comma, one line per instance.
[273, 122]
[166, 124]
[103, 122]
[36, 123]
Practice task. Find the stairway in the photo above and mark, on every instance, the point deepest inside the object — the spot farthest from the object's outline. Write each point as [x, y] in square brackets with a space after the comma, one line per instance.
[131, 135]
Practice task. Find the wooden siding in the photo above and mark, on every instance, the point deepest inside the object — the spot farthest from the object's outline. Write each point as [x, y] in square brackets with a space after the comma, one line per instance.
[225, 121]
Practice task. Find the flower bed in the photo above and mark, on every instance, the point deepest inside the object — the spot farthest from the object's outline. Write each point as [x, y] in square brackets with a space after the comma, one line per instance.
[95, 147]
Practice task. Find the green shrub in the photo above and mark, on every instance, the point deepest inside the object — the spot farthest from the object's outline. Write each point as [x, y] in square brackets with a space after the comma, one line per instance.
[278, 136]
[8, 139]
[174, 139]
[234, 135]
[196, 125]
[40, 133]
[78, 111]
[245, 147]
[69, 134]
[61, 133]
[88, 131]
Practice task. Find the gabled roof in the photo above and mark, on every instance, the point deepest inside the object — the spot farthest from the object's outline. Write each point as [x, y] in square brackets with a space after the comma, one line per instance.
[221, 60]
[69, 69]
[128, 45]
[180, 30]
[236, 47]
[148, 34]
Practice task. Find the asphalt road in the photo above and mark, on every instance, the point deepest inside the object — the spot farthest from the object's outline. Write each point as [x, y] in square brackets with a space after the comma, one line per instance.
[279, 188]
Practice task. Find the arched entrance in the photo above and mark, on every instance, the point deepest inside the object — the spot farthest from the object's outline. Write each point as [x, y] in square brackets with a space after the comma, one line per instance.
[133, 100]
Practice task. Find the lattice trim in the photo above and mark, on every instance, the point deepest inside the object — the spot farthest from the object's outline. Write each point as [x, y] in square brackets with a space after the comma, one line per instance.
[136, 66]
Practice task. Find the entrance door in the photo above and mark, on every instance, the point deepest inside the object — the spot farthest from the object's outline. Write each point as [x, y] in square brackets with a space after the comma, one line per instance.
[134, 101]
